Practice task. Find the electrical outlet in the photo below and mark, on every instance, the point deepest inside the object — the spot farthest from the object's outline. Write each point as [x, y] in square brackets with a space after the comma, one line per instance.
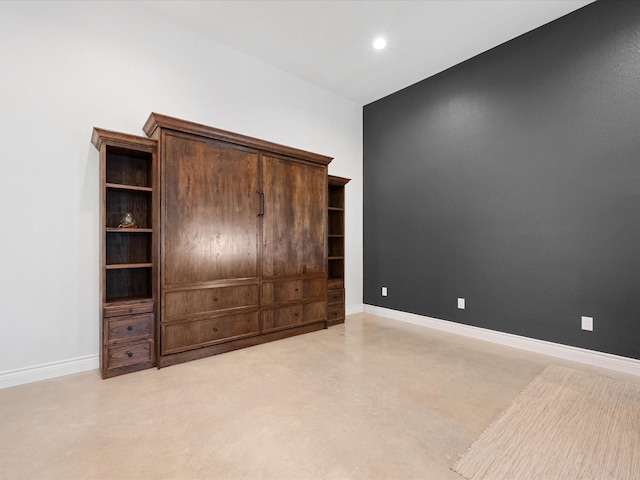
[384, 291]
[587, 324]
[461, 303]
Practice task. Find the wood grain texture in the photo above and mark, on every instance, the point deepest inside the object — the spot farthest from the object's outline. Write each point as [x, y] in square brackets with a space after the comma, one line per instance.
[101, 137]
[293, 315]
[179, 337]
[335, 283]
[211, 230]
[125, 246]
[128, 328]
[128, 308]
[185, 303]
[137, 355]
[294, 231]
[336, 249]
[119, 202]
[215, 349]
[243, 235]
[335, 314]
[128, 169]
[335, 295]
[210, 226]
[284, 291]
[127, 284]
[157, 121]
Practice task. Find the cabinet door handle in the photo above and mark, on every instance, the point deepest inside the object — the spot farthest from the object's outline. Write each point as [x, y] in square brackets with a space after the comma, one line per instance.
[261, 213]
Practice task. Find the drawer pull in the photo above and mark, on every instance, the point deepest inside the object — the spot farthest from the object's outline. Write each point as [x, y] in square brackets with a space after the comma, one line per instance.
[130, 328]
[297, 314]
[297, 289]
[215, 329]
[129, 354]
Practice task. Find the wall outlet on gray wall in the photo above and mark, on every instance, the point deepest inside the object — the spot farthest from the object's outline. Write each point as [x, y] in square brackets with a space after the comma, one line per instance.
[587, 323]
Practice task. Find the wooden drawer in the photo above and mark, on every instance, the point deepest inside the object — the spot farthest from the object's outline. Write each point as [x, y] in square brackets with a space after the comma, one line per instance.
[179, 337]
[128, 328]
[293, 290]
[293, 315]
[129, 354]
[335, 295]
[335, 313]
[206, 300]
[127, 309]
[335, 283]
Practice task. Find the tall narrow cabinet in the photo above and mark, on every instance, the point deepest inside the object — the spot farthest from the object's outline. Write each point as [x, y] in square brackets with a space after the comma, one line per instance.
[336, 247]
[127, 253]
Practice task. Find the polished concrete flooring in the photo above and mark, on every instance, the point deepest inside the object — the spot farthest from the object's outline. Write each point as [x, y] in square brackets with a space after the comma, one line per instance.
[372, 399]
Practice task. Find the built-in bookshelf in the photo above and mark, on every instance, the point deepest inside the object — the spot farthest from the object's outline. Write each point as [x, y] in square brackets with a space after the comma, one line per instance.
[336, 250]
[127, 165]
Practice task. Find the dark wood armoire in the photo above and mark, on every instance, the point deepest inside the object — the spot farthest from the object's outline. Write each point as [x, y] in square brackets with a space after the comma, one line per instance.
[238, 248]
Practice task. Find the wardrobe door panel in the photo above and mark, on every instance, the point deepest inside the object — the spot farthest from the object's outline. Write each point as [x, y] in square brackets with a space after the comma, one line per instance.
[294, 217]
[210, 209]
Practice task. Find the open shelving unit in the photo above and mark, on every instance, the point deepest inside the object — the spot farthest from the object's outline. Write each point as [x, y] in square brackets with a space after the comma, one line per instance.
[127, 253]
[336, 250]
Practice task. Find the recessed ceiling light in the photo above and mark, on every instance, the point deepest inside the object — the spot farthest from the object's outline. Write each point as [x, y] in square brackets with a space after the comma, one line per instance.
[379, 43]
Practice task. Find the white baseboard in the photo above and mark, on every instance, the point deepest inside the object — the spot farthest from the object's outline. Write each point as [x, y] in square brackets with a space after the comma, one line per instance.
[11, 378]
[581, 355]
[20, 376]
[45, 371]
[351, 309]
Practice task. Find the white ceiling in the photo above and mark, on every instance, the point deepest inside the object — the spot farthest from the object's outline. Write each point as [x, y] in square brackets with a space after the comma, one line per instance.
[329, 42]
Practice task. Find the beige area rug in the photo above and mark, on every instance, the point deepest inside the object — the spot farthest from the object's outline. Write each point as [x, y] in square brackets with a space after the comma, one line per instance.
[565, 425]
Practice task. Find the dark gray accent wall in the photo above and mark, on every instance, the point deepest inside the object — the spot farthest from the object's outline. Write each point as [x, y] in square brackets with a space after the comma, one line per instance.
[513, 180]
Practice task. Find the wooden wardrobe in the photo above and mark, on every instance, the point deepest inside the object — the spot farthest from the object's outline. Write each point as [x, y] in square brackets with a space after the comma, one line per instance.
[239, 241]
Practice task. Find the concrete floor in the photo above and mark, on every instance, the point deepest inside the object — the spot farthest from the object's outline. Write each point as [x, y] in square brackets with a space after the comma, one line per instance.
[372, 399]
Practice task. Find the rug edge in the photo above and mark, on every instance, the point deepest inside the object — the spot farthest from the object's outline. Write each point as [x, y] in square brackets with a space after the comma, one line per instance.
[454, 467]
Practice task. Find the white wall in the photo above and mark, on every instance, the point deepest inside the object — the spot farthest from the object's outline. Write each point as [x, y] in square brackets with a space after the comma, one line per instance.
[69, 66]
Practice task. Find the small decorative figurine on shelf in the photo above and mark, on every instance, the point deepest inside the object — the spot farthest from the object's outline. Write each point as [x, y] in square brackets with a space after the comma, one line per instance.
[127, 221]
